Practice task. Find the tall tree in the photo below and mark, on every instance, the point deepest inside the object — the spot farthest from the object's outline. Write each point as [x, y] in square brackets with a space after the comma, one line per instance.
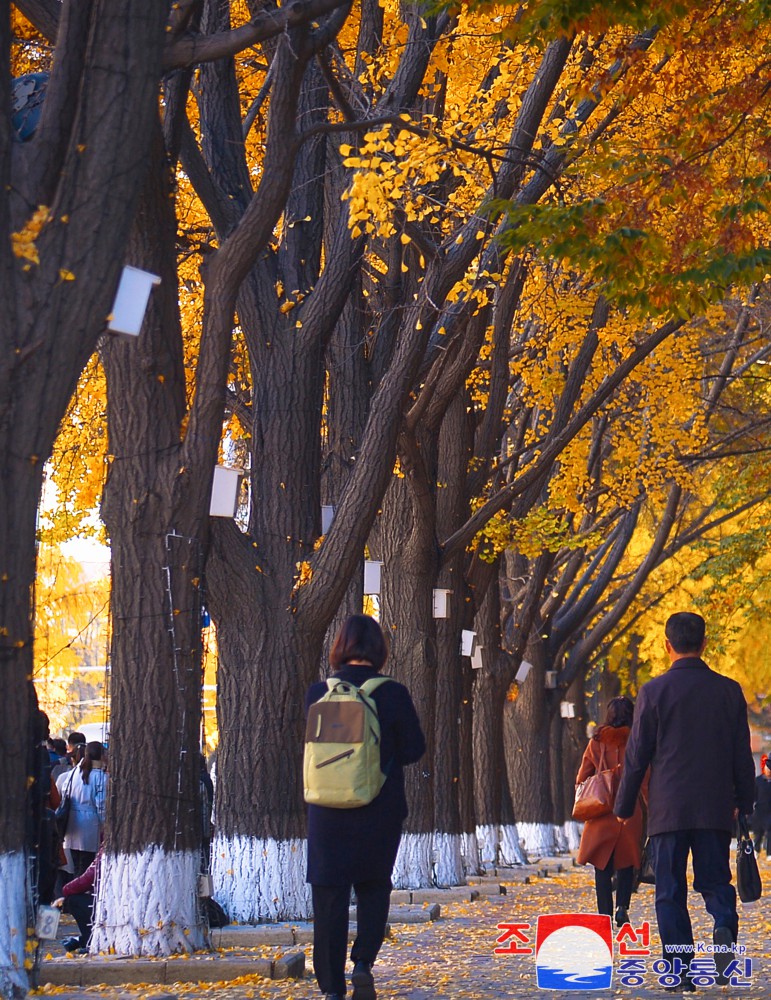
[156, 503]
[73, 187]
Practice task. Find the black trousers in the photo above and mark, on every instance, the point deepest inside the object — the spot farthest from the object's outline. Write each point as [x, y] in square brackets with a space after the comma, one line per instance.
[81, 860]
[81, 907]
[760, 833]
[603, 886]
[330, 928]
[710, 851]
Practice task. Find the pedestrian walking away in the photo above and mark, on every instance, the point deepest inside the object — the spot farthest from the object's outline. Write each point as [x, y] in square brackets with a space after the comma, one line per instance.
[86, 787]
[761, 815]
[691, 729]
[610, 846]
[356, 847]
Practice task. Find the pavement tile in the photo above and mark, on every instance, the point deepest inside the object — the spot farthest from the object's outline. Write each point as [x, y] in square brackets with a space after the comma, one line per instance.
[453, 958]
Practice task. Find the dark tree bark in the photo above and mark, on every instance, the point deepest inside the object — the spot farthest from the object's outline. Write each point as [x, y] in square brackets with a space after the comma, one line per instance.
[528, 753]
[85, 162]
[496, 834]
[152, 851]
[453, 671]
[409, 554]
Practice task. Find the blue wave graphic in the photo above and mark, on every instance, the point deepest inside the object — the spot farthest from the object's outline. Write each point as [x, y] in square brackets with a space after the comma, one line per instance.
[562, 979]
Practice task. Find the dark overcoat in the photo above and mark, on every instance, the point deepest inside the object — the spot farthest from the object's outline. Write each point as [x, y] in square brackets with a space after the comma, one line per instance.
[355, 845]
[690, 727]
[605, 836]
[761, 817]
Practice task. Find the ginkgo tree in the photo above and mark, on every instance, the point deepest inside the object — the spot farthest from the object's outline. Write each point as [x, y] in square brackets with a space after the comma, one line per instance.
[641, 510]
[425, 272]
[362, 322]
[75, 181]
[587, 223]
[69, 196]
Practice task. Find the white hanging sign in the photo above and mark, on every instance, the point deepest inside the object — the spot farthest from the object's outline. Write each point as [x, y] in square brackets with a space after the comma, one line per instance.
[205, 885]
[467, 642]
[372, 569]
[128, 309]
[327, 515]
[47, 923]
[524, 669]
[567, 710]
[224, 492]
[441, 602]
[476, 659]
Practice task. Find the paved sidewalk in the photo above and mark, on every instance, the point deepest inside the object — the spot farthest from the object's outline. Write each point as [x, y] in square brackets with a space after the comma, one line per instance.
[451, 958]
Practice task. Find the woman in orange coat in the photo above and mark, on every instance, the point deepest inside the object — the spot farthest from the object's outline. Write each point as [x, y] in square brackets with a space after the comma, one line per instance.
[608, 843]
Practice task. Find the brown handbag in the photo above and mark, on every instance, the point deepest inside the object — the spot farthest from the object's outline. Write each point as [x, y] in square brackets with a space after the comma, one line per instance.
[596, 795]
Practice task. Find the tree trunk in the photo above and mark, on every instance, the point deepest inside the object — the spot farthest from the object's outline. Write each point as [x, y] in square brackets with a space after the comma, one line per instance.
[573, 745]
[147, 901]
[496, 833]
[87, 159]
[409, 567]
[265, 666]
[267, 658]
[19, 491]
[452, 670]
[526, 735]
[556, 726]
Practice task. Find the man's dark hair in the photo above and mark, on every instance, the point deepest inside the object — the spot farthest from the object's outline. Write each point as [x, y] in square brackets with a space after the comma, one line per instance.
[74, 738]
[620, 712]
[685, 631]
[360, 638]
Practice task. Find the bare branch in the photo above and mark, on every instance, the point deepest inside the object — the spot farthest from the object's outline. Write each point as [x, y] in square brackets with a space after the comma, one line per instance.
[206, 48]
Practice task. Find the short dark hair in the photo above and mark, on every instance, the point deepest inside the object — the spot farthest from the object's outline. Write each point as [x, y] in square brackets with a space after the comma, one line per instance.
[620, 712]
[685, 631]
[359, 638]
[75, 738]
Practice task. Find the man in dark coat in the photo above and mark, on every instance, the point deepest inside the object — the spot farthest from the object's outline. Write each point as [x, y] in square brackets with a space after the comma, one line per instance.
[761, 816]
[690, 728]
[357, 847]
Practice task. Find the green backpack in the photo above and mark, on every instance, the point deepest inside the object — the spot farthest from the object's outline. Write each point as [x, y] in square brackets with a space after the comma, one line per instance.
[341, 768]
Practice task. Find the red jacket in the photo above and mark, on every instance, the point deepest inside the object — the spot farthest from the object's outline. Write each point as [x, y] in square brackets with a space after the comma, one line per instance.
[84, 882]
[604, 836]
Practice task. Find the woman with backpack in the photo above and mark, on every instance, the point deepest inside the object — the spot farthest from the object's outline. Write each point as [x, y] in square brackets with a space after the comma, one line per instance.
[355, 846]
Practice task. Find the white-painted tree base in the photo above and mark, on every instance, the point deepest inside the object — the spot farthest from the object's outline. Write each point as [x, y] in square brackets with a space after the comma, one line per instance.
[538, 838]
[511, 848]
[413, 869]
[499, 845]
[261, 879]
[13, 926]
[448, 859]
[147, 904]
[469, 848]
[488, 842]
[572, 834]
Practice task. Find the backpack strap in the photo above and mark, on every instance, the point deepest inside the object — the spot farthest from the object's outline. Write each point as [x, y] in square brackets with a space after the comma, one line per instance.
[367, 687]
[373, 683]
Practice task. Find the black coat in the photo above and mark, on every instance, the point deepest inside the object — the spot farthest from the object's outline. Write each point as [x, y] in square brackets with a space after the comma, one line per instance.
[690, 727]
[354, 845]
[761, 818]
